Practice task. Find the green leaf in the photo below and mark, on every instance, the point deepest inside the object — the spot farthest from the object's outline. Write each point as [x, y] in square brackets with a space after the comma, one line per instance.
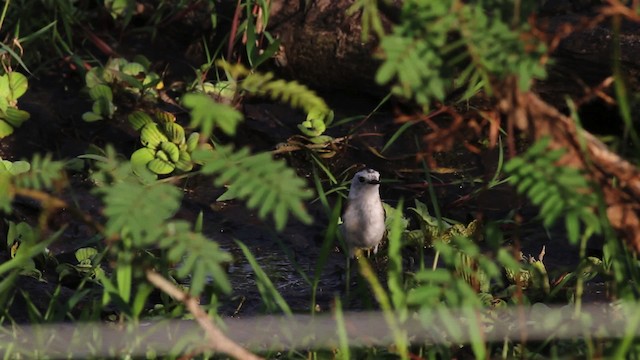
[124, 276]
[174, 132]
[138, 119]
[140, 210]
[13, 85]
[103, 107]
[161, 166]
[27, 251]
[171, 150]
[16, 117]
[143, 291]
[133, 69]
[43, 173]
[6, 193]
[94, 77]
[99, 92]
[84, 254]
[151, 136]
[184, 163]
[269, 294]
[16, 167]
[291, 92]
[196, 255]
[5, 129]
[208, 114]
[265, 183]
[395, 273]
[139, 160]
[91, 116]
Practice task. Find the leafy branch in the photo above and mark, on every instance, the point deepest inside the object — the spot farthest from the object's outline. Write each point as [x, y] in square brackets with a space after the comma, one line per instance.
[557, 190]
[267, 184]
[290, 92]
[437, 39]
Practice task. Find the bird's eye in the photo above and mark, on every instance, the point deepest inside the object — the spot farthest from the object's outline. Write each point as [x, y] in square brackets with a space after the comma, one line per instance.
[361, 178]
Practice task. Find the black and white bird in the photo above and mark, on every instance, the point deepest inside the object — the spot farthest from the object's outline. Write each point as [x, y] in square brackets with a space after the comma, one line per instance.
[363, 216]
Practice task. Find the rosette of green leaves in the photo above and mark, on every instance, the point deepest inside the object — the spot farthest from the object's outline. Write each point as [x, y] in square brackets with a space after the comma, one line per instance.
[316, 123]
[133, 77]
[12, 86]
[166, 148]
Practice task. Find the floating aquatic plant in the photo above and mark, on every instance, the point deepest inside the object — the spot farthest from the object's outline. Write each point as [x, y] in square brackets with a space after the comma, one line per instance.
[12, 86]
[119, 75]
[166, 147]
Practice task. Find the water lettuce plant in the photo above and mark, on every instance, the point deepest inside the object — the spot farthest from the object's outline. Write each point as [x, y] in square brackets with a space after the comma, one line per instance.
[12, 86]
[118, 74]
[166, 148]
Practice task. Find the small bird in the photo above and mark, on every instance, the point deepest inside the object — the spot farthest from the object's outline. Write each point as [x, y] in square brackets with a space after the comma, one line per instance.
[363, 216]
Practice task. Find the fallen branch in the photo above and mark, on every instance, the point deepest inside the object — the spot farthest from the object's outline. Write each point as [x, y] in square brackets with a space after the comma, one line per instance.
[217, 339]
[618, 179]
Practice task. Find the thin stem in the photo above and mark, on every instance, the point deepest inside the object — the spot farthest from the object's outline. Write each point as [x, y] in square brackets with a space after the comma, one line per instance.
[217, 339]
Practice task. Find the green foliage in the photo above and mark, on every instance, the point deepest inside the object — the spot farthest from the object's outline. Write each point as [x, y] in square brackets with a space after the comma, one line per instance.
[166, 148]
[559, 191]
[370, 17]
[434, 230]
[17, 235]
[208, 114]
[44, 172]
[198, 257]
[265, 183]
[464, 280]
[12, 86]
[87, 265]
[119, 75]
[41, 173]
[316, 123]
[120, 8]
[103, 106]
[254, 28]
[139, 210]
[15, 167]
[420, 58]
[291, 92]
[437, 46]
[319, 116]
[395, 281]
[139, 215]
[268, 292]
[25, 243]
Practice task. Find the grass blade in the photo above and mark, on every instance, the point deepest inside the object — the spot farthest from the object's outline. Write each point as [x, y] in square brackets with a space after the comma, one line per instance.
[268, 291]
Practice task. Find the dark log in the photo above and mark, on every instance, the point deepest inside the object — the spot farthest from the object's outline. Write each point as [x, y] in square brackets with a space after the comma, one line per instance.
[322, 46]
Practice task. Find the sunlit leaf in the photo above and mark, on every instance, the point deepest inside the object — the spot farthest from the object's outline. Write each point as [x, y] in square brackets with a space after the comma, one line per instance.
[208, 114]
[279, 190]
[5, 129]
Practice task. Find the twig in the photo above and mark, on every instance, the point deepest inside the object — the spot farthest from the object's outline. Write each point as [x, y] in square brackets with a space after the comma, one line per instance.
[217, 340]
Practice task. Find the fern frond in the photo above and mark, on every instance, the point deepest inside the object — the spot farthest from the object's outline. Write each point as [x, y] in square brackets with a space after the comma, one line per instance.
[420, 58]
[558, 191]
[265, 183]
[208, 114]
[43, 173]
[290, 92]
[198, 257]
[139, 210]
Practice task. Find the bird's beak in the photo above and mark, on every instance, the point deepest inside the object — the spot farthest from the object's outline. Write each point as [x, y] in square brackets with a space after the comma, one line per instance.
[374, 182]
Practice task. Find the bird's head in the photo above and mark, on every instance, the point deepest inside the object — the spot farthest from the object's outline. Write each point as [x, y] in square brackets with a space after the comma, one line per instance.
[364, 181]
